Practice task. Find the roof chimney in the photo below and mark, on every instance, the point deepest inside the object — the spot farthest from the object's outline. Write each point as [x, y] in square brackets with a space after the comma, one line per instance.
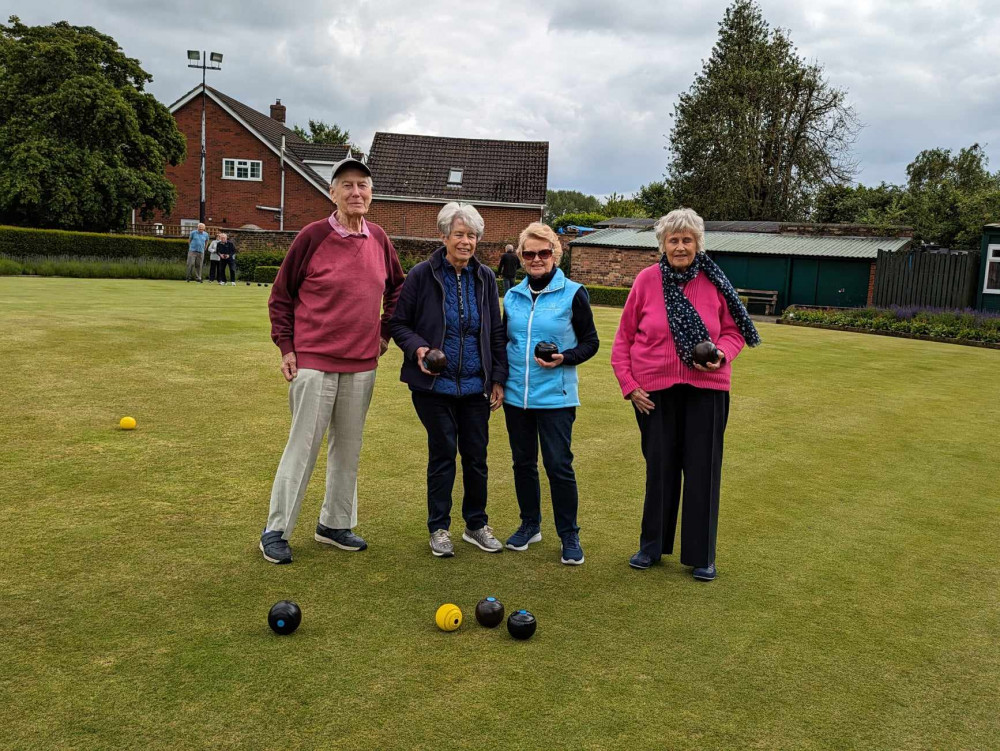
[278, 111]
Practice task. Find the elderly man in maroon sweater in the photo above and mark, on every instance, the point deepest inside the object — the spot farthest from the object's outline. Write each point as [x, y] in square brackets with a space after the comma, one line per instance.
[330, 306]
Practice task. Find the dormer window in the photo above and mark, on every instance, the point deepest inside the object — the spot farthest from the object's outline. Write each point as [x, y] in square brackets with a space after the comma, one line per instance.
[455, 177]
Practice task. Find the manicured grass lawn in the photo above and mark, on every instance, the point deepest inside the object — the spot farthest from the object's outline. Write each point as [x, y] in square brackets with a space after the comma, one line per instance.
[857, 605]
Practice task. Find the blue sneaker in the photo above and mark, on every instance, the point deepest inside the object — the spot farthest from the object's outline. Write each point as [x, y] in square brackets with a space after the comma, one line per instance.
[572, 553]
[344, 539]
[274, 548]
[526, 534]
[640, 560]
[704, 573]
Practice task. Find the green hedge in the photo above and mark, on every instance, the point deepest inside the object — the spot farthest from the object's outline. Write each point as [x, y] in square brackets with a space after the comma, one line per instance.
[968, 325]
[588, 219]
[265, 274]
[247, 262]
[22, 242]
[614, 296]
[93, 268]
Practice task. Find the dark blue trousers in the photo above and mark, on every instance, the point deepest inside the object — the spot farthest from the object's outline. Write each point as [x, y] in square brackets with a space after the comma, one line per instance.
[682, 438]
[554, 428]
[462, 424]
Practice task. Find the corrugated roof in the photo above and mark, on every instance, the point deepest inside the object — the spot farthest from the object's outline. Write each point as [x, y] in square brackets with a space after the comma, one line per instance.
[756, 242]
[419, 167]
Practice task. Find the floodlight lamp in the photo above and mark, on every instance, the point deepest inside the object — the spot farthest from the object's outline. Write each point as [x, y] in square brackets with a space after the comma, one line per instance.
[194, 55]
[216, 57]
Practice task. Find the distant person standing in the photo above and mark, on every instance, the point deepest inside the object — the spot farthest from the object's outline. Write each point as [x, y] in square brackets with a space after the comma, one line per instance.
[213, 257]
[197, 242]
[227, 256]
[507, 270]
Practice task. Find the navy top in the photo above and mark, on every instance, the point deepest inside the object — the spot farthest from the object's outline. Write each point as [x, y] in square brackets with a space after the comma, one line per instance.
[463, 376]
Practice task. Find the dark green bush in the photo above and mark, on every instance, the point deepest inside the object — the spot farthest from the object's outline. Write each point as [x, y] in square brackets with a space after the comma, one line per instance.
[578, 220]
[247, 262]
[22, 242]
[614, 296]
[93, 268]
[265, 274]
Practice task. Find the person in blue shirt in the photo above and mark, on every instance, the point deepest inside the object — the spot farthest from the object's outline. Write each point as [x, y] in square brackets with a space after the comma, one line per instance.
[540, 396]
[197, 242]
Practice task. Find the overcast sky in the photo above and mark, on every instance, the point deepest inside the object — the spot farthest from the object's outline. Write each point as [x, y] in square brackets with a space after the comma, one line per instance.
[598, 80]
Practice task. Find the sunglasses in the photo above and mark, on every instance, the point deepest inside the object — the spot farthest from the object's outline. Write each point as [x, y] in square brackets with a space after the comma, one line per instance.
[529, 255]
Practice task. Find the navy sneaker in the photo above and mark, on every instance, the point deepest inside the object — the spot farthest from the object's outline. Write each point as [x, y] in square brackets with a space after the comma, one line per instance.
[526, 534]
[704, 573]
[640, 560]
[572, 553]
[344, 539]
[274, 548]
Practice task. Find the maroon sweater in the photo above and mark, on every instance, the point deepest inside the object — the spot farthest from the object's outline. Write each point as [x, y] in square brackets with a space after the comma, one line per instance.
[330, 296]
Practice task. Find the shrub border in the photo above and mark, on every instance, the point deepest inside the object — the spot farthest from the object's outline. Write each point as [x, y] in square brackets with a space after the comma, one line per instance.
[896, 334]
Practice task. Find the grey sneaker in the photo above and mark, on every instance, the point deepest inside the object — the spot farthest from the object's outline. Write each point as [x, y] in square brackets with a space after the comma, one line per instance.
[441, 543]
[483, 539]
[274, 548]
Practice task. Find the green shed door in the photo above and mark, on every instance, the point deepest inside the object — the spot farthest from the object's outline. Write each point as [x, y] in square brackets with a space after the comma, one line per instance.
[734, 267]
[803, 288]
[843, 284]
[768, 273]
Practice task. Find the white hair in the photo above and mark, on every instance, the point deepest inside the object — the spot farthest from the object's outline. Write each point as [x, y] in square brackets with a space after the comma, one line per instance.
[463, 212]
[681, 220]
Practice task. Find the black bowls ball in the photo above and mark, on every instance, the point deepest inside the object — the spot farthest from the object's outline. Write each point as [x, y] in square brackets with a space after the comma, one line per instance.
[284, 617]
[545, 350]
[704, 353]
[521, 624]
[489, 612]
[435, 361]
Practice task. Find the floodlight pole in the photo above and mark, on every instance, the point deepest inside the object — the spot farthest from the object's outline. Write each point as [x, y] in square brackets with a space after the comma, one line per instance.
[204, 98]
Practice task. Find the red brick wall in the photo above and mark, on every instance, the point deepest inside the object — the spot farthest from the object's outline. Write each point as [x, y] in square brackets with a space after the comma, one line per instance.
[871, 285]
[232, 203]
[409, 219]
[611, 267]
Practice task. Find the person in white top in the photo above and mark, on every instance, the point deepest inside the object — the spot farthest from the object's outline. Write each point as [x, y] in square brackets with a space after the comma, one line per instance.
[215, 272]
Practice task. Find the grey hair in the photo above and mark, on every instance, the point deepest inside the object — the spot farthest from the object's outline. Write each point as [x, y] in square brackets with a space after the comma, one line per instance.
[681, 220]
[463, 212]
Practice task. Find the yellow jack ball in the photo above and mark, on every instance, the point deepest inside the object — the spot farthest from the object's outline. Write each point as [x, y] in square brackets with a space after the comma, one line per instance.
[127, 423]
[448, 617]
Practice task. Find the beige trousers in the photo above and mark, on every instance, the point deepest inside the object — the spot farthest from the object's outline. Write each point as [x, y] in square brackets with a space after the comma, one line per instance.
[321, 402]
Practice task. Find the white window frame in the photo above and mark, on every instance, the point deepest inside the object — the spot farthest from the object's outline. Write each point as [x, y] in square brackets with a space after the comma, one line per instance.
[992, 256]
[460, 171]
[246, 164]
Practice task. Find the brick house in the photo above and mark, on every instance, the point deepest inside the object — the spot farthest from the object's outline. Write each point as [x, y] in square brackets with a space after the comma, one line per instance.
[243, 166]
[415, 176]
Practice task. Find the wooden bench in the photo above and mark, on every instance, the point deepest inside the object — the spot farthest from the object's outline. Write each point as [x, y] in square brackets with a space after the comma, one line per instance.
[769, 297]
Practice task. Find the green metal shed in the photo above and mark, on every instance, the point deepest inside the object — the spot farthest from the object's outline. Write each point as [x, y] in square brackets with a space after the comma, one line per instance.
[988, 296]
[804, 269]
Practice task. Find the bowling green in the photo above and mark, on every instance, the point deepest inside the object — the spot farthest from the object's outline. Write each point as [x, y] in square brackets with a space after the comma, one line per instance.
[857, 604]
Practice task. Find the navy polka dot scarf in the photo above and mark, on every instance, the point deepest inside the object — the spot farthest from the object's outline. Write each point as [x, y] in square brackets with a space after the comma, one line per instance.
[686, 325]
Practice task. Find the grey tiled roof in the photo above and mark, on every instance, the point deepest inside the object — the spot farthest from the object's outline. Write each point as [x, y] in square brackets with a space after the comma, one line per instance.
[417, 167]
[761, 243]
[320, 152]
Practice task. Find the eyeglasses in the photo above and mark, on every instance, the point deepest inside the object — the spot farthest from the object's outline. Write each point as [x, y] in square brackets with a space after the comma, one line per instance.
[529, 255]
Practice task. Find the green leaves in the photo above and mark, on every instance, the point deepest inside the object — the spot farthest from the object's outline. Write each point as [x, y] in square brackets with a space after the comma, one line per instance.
[81, 143]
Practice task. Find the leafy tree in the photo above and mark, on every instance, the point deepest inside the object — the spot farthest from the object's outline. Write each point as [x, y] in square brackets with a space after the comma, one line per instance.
[844, 204]
[81, 143]
[620, 206]
[559, 202]
[760, 130]
[332, 134]
[656, 199]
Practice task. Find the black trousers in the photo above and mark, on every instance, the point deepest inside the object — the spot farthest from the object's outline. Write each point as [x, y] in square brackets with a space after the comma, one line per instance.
[682, 438]
[215, 273]
[229, 263]
[462, 424]
[554, 428]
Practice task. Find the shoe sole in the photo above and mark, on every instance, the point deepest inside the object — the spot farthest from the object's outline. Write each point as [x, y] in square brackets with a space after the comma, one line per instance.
[704, 578]
[328, 541]
[537, 537]
[638, 568]
[570, 562]
[467, 538]
[449, 554]
[268, 558]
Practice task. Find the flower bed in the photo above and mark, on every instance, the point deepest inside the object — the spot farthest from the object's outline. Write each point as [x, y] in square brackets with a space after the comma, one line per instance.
[962, 326]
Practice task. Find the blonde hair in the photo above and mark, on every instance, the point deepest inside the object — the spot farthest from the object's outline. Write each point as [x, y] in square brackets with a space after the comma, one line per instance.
[681, 220]
[539, 231]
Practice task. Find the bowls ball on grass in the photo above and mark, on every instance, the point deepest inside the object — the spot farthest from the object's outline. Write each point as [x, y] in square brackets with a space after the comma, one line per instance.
[127, 423]
[489, 612]
[284, 617]
[705, 352]
[545, 350]
[521, 625]
[435, 361]
[448, 617]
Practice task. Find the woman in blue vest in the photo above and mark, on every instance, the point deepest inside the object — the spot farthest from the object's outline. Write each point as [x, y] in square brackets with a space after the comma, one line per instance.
[450, 302]
[540, 397]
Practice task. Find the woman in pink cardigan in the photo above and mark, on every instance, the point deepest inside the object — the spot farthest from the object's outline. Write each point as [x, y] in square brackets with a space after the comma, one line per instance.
[680, 404]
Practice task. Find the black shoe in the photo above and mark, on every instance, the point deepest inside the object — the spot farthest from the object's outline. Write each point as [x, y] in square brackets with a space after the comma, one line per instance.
[640, 561]
[344, 539]
[274, 548]
[704, 573]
